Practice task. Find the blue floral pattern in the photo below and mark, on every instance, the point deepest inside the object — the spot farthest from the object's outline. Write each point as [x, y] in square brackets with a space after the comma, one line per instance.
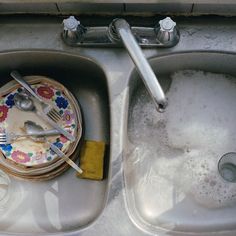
[10, 100]
[61, 102]
[58, 144]
[6, 147]
[43, 155]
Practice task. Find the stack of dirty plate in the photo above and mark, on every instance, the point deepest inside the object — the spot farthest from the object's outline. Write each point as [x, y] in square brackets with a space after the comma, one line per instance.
[24, 157]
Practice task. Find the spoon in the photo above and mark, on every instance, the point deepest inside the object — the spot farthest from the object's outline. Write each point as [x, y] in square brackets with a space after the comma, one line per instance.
[25, 103]
[31, 127]
[36, 130]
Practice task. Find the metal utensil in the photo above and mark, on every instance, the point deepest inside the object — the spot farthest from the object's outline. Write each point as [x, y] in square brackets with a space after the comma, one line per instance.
[7, 138]
[36, 130]
[31, 127]
[48, 110]
[25, 103]
[64, 157]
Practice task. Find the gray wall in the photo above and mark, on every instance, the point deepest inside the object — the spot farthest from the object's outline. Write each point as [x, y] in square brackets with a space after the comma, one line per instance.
[183, 7]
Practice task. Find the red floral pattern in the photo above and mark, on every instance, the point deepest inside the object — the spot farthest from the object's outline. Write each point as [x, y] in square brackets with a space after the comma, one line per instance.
[20, 157]
[3, 112]
[45, 92]
[63, 139]
[18, 153]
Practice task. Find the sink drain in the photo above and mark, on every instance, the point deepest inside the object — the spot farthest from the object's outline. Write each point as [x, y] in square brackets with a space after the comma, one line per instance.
[227, 166]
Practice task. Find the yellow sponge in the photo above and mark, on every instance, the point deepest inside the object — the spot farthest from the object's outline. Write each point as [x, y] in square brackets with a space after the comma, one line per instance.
[91, 160]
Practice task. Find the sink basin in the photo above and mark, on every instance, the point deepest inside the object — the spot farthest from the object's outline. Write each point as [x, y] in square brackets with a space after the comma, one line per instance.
[170, 167]
[65, 203]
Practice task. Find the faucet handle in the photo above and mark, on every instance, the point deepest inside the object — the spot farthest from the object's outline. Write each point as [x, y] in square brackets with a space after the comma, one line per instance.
[71, 23]
[73, 30]
[167, 32]
[167, 24]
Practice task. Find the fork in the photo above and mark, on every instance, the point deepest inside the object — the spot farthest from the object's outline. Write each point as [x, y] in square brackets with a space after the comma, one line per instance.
[48, 110]
[7, 138]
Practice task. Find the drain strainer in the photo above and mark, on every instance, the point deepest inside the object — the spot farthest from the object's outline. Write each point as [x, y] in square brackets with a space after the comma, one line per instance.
[227, 166]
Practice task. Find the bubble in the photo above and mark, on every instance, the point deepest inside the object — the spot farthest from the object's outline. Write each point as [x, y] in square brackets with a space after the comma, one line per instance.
[183, 145]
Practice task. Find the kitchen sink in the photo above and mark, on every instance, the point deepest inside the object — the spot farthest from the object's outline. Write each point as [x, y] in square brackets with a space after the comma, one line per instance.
[65, 203]
[161, 169]
[171, 160]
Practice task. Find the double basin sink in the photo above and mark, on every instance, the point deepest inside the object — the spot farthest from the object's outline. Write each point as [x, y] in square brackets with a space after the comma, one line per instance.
[167, 163]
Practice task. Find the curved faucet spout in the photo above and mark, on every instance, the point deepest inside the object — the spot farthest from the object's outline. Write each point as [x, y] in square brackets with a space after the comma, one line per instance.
[152, 84]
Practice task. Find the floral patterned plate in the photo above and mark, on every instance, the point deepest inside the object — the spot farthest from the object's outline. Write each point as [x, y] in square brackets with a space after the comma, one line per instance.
[25, 151]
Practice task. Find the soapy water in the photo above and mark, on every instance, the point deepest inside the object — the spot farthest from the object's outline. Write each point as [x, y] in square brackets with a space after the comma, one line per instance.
[184, 144]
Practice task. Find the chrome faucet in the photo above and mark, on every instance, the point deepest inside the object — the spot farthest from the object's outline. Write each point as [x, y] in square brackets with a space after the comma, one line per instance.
[120, 33]
[123, 31]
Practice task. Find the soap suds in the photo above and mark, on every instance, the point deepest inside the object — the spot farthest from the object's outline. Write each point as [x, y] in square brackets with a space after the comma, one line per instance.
[184, 144]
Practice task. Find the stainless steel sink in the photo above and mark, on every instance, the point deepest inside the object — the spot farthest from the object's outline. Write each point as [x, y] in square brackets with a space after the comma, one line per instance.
[172, 183]
[137, 197]
[65, 203]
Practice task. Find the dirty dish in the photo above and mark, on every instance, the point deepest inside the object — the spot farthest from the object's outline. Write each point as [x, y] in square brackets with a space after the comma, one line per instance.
[26, 157]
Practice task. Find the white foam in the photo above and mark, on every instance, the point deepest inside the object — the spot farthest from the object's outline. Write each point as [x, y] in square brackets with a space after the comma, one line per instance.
[184, 144]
